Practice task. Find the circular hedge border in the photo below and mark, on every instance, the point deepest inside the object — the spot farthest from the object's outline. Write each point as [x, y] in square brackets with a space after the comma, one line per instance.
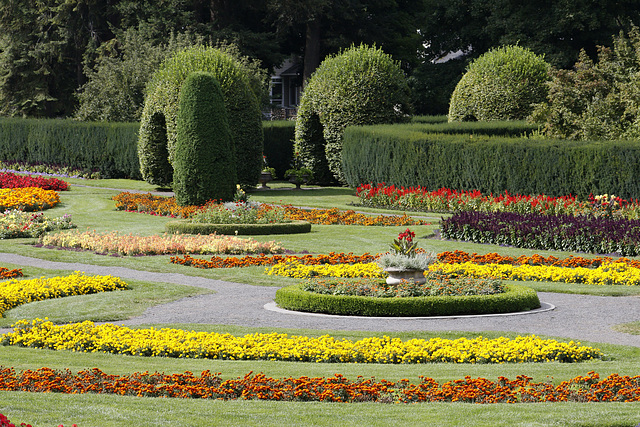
[186, 227]
[516, 298]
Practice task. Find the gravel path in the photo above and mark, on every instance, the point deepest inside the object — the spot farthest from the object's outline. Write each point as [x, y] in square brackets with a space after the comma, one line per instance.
[578, 317]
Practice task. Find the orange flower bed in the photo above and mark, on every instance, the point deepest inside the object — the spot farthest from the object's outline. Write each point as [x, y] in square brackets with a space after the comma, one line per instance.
[5, 273]
[335, 217]
[28, 199]
[262, 260]
[166, 206]
[456, 257]
[614, 388]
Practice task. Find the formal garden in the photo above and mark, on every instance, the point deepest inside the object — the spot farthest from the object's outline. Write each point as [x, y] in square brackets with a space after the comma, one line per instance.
[109, 225]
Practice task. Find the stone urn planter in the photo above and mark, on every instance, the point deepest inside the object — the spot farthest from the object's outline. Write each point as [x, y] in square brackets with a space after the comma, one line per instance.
[265, 176]
[396, 275]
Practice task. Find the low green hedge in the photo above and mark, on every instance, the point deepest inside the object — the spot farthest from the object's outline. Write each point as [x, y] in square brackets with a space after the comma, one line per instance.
[517, 298]
[107, 147]
[410, 156]
[186, 227]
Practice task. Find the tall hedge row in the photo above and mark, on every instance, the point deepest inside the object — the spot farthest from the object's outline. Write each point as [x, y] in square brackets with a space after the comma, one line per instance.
[409, 157]
[108, 147]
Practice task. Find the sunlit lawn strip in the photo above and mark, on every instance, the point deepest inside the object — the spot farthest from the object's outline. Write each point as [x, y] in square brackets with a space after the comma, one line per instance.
[109, 338]
[129, 244]
[28, 199]
[166, 206]
[337, 388]
[16, 292]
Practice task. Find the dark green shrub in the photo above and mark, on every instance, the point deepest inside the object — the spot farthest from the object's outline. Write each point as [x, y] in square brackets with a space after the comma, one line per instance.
[502, 84]
[241, 104]
[596, 100]
[186, 227]
[204, 165]
[278, 144]
[517, 298]
[107, 147]
[361, 85]
[403, 155]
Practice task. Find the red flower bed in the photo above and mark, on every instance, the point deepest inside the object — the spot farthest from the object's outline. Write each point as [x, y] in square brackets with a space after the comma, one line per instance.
[261, 260]
[11, 180]
[614, 388]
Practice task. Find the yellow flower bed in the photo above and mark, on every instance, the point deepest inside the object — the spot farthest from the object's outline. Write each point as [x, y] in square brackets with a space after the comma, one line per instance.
[613, 273]
[299, 270]
[17, 292]
[28, 199]
[109, 338]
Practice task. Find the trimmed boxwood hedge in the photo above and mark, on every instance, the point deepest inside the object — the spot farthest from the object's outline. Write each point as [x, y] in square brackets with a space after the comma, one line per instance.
[517, 298]
[411, 156]
[186, 227]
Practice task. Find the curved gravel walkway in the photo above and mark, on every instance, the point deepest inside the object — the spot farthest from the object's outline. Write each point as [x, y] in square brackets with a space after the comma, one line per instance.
[577, 317]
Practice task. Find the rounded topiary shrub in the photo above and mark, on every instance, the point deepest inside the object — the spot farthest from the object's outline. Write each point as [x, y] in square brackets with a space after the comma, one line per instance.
[362, 85]
[204, 165]
[502, 84]
[161, 103]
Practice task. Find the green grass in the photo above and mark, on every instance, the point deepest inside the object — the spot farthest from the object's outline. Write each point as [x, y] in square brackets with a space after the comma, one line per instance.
[92, 208]
[632, 328]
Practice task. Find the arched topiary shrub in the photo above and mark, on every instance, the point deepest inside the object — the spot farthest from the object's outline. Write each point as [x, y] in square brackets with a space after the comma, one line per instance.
[203, 164]
[156, 168]
[243, 112]
[502, 84]
[360, 86]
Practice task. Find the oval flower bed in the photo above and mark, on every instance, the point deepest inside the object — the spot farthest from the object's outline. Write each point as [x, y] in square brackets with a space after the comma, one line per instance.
[16, 292]
[515, 298]
[109, 338]
[337, 388]
[28, 199]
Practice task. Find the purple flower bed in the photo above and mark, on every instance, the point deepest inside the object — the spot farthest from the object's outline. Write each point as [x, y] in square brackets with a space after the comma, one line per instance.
[601, 235]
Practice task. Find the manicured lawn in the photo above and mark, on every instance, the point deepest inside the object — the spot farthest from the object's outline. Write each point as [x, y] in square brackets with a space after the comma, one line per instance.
[92, 208]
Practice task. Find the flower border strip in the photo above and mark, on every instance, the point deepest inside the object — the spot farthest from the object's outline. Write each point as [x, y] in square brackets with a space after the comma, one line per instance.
[337, 388]
[109, 338]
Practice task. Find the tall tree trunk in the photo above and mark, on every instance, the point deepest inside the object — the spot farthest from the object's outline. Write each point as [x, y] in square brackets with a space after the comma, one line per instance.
[311, 49]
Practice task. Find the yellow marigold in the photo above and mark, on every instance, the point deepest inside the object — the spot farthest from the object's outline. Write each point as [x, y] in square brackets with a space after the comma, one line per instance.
[17, 292]
[109, 338]
[298, 270]
[609, 273]
[28, 199]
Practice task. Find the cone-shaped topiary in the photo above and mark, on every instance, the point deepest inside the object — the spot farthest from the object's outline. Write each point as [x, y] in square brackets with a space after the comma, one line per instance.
[360, 86]
[203, 164]
[502, 84]
[162, 97]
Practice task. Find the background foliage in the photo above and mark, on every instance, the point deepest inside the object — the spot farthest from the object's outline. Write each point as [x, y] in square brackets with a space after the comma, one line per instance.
[502, 84]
